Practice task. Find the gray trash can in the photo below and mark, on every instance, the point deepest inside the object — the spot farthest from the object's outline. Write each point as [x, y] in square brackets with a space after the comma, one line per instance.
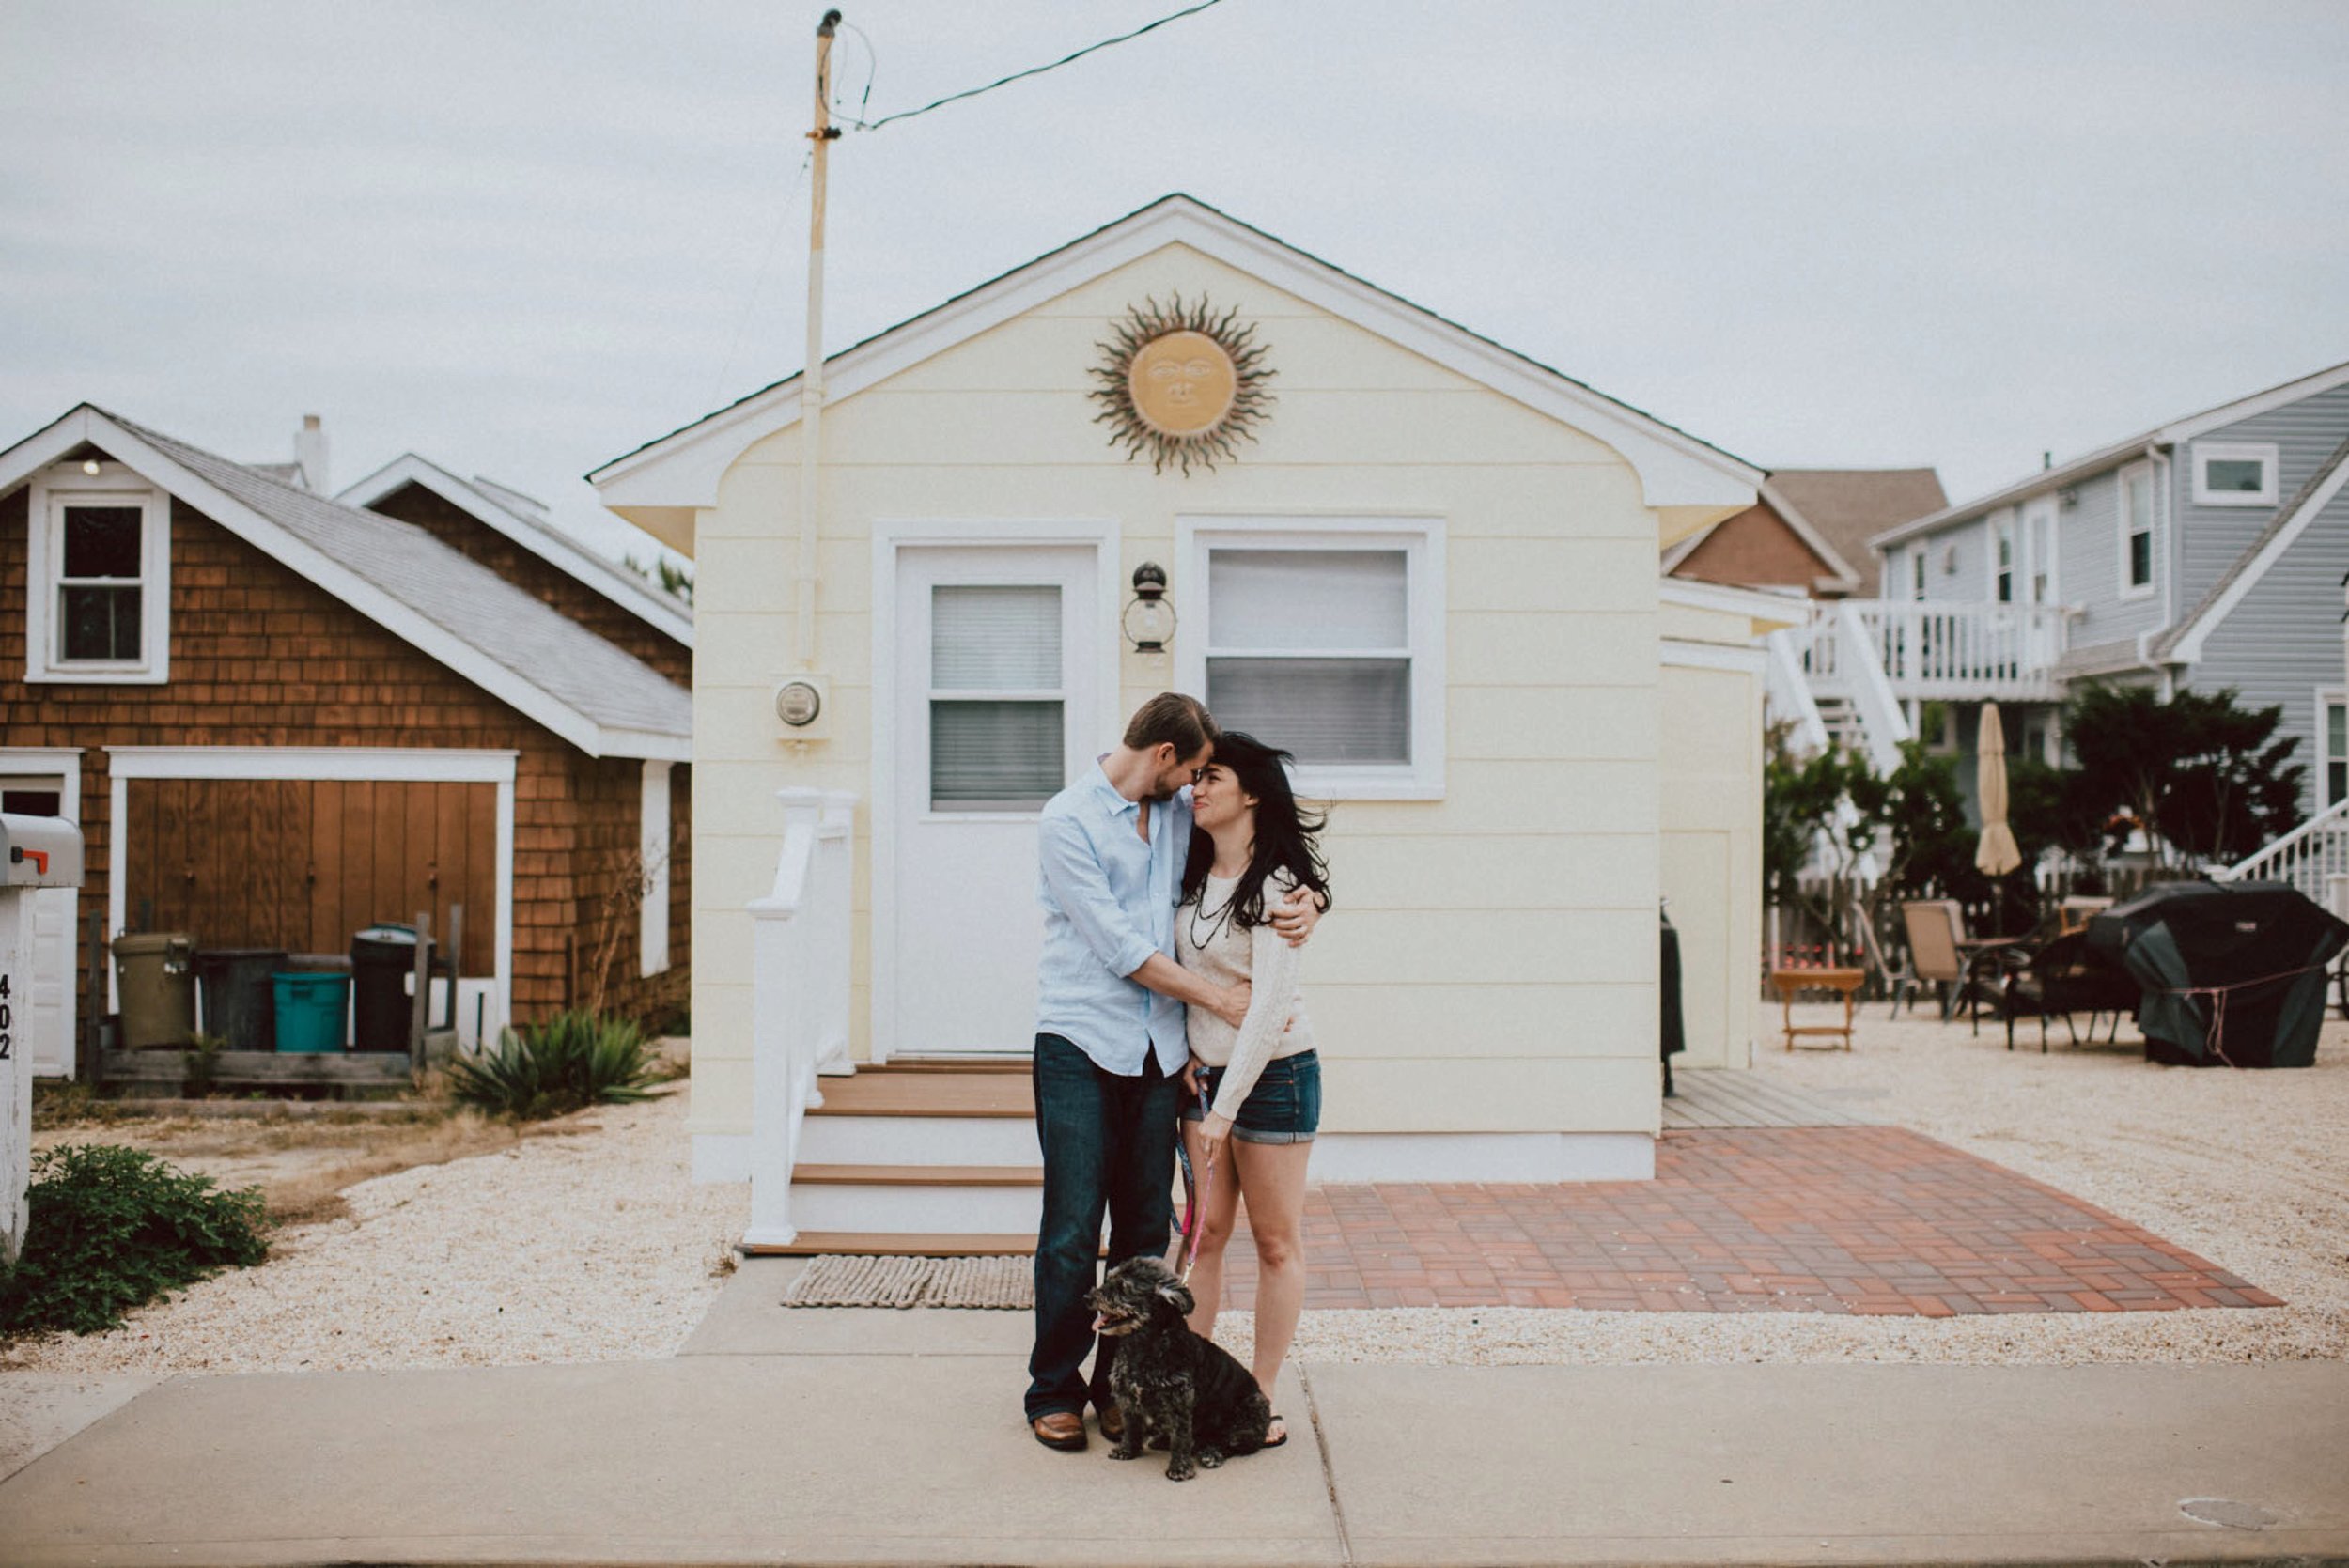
[239, 1005]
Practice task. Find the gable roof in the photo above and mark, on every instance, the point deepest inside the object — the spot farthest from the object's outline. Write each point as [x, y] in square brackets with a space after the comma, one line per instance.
[2183, 642]
[457, 612]
[1847, 506]
[660, 485]
[523, 521]
[2103, 458]
[1836, 573]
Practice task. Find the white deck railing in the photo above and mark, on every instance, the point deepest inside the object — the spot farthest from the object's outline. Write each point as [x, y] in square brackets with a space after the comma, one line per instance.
[800, 936]
[1961, 652]
[2313, 857]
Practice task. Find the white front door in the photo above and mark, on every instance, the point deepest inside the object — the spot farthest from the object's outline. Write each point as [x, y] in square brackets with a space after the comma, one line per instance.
[53, 911]
[998, 704]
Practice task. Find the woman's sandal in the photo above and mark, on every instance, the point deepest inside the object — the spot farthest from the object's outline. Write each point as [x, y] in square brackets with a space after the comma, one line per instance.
[1276, 1442]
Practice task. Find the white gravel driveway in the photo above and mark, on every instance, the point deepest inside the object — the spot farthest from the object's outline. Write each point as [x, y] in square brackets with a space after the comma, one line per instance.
[597, 1247]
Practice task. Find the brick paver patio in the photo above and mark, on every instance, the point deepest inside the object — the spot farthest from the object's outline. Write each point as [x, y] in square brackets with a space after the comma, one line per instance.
[1800, 1220]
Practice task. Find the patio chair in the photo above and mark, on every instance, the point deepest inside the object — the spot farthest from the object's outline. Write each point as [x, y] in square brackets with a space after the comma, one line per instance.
[1940, 952]
[2064, 977]
[2073, 914]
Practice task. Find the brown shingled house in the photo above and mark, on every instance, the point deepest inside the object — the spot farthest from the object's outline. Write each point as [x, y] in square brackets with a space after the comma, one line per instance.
[1808, 531]
[279, 716]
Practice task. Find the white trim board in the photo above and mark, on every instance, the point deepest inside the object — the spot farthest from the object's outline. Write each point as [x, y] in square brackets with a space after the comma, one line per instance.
[1682, 654]
[1755, 603]
[889, 536]
[608, 578]
[668, 480]
[86, 424]
[382, 765]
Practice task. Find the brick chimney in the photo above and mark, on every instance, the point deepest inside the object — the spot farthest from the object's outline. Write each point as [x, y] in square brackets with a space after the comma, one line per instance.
[310, 454]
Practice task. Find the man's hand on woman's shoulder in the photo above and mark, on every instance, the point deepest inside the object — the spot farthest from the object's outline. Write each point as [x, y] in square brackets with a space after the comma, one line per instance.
[1294, 919]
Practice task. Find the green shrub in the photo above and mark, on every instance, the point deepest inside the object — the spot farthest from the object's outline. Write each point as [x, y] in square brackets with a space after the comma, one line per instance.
[113, 1228]
[572, 1060]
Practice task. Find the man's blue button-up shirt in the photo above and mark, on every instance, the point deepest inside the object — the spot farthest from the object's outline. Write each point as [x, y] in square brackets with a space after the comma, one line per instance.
[1109, 904]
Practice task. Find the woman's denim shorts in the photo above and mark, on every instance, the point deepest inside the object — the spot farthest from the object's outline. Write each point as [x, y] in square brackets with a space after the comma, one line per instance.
[1283, 1107]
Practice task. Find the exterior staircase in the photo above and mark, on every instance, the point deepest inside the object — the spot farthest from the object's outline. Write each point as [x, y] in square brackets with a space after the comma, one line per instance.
[929, 1159]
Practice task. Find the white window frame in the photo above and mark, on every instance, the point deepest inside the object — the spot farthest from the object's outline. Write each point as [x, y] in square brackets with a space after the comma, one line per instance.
[1941, 740]
[2005, 523]
[2041, 523]
[52, 491]
[2152, 530]
[2262, 452]
[2328, 698]
[652, 849]
[1422, 542]
[1918, 571]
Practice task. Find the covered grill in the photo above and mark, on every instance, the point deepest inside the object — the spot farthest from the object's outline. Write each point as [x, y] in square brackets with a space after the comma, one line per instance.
[2231, 973]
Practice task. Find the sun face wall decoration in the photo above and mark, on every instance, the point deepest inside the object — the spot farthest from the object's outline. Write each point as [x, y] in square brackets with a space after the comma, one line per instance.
[1182, 383]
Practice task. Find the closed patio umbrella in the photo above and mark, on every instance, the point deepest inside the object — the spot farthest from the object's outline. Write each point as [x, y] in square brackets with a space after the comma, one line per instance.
[1997, 854]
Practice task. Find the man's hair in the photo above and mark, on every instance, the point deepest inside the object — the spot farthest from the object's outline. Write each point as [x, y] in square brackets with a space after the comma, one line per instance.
[1170, 717]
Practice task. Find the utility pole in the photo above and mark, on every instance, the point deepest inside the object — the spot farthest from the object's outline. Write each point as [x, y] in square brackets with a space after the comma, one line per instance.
[811, 372]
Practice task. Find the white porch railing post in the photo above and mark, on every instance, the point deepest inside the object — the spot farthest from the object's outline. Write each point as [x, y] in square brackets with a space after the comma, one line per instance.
[1883, 726]
[799, 993]
[1786, 694]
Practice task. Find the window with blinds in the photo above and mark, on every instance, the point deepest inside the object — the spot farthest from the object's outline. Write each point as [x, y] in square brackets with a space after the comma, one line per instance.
[1310, 650]
[996, 706]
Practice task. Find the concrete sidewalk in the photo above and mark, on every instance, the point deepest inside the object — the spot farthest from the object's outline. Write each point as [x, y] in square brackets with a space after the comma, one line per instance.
[896, 1438]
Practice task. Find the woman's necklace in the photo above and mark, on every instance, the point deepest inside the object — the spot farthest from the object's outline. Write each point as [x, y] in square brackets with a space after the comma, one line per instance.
[1222, 919]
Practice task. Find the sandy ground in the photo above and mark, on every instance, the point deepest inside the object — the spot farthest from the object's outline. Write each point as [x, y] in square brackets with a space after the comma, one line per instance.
[591, 1244]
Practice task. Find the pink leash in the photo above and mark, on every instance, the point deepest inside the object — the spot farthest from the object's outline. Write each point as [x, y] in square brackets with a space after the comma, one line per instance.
[1196, 1186]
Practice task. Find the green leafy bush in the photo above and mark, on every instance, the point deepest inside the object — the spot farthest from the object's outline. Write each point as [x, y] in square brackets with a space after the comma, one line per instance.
[572, 1060]
[113, 1228]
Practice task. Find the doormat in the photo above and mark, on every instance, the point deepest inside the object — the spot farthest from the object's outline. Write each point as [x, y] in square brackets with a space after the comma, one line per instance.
[835, 1279]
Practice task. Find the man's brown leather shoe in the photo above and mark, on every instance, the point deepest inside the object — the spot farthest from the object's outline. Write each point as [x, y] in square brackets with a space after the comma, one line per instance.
[1113, 1424]
[1060, 1429]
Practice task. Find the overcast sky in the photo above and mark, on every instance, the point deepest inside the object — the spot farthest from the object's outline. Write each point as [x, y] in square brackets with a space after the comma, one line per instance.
[521, 237]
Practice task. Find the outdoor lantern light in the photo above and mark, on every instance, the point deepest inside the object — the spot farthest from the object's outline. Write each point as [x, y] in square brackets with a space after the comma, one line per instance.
[1149, 620]
[89, 466]
[2069, 497]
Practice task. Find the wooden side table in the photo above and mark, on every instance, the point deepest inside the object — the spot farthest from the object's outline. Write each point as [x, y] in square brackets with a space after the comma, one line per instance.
[1788, 982]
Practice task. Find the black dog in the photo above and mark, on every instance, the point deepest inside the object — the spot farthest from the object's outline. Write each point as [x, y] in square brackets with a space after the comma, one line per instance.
[1201, 1401]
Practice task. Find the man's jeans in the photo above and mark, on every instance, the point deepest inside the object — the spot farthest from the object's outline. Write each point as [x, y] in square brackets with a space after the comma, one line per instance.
[1108, 1141]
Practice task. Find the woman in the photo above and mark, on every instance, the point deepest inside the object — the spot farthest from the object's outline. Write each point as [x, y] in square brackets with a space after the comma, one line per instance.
[1261, 1082]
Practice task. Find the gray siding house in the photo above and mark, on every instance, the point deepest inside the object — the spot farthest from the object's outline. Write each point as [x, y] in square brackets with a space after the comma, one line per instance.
[2207, 552]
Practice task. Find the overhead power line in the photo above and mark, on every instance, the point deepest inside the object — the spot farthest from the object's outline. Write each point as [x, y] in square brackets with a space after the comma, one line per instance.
[860, 124]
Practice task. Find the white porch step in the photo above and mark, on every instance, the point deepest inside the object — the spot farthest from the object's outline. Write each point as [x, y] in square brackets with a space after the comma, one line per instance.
[921, 1152]
[918, 1200]
[916, 1140]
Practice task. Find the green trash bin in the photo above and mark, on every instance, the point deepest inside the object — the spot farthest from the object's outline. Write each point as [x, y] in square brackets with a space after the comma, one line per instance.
[155, 977]
[312, 995]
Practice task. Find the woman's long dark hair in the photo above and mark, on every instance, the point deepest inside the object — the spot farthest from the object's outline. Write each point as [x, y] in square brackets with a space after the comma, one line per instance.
[1284, 831]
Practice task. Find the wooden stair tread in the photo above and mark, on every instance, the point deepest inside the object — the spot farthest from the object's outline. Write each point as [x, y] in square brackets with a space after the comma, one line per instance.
[920, 1175]
[1019, 1064]
[881, 1092]
[896, 1243]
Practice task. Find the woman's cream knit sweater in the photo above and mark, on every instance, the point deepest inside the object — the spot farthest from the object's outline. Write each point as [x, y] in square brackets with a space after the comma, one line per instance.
[1211, 944]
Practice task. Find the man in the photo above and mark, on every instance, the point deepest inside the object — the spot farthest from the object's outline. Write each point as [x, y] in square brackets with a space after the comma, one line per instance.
[1111, 1042]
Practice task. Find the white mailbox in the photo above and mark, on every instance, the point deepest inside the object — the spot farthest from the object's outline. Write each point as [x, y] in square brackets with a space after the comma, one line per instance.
[36, 852]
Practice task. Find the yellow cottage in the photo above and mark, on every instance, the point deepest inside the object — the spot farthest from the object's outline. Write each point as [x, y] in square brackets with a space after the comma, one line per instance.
[1427, 564]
